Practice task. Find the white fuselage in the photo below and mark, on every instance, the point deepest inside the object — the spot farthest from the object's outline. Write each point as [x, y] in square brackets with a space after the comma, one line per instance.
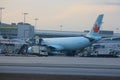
[69, 43]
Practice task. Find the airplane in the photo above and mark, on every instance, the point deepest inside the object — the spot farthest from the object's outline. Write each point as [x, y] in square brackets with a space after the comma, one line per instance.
[71, 44]
[11, 41]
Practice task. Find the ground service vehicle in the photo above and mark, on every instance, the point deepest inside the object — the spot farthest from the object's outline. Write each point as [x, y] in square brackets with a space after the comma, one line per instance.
[105, 49]
[38, 50]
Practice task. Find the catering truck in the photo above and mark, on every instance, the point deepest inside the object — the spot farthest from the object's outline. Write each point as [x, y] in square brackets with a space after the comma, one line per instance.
[38, 50]
[105, 49]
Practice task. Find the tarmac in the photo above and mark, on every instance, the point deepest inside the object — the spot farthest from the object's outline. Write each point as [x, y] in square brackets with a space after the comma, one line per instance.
[51, 66]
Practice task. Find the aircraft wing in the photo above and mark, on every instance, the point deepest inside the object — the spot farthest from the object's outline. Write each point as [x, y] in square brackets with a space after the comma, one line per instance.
[55, 47]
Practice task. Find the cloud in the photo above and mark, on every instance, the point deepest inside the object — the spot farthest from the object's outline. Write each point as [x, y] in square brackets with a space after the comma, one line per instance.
[114, 3]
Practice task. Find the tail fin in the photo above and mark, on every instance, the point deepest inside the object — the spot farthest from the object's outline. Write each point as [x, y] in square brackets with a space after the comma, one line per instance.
[94, 33]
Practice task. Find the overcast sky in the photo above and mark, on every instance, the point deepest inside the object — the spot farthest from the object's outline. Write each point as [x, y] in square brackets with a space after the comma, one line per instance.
[73, 15]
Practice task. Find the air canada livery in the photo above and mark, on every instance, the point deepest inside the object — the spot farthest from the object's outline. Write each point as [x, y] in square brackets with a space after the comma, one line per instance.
[71, 44]
[11, 41]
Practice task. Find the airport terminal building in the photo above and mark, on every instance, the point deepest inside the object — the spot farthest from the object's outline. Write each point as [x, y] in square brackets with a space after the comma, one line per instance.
[8, 30]
[25, 30]
[51, 33]
[20, 30]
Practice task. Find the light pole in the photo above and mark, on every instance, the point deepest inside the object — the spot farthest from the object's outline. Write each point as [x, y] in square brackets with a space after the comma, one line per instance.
[1, 8]
[117, 30]
[61, 27]
[25, 16]
[36, 19]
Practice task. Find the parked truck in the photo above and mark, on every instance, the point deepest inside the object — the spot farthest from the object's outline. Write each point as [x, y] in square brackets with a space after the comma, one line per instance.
[38, 50]
[101, 50]
[105, 49]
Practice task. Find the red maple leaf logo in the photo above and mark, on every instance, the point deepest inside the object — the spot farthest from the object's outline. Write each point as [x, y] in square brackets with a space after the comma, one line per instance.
[96, 28]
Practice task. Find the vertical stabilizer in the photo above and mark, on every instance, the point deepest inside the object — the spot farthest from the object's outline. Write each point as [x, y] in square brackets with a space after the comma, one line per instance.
[94, 33]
